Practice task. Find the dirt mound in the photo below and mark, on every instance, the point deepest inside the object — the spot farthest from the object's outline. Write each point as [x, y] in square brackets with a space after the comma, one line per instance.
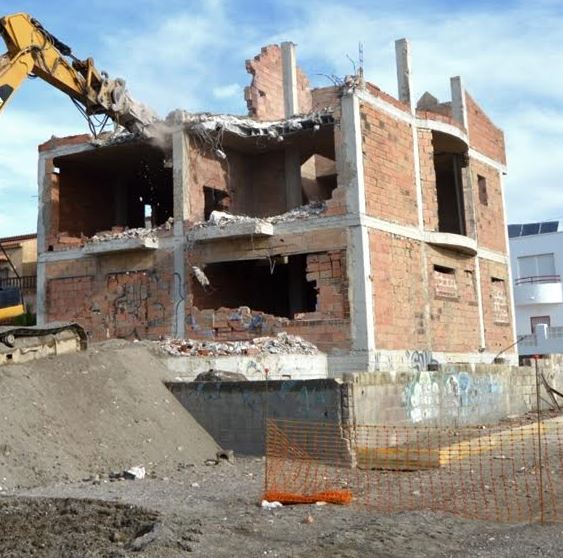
[71, 528]
[68, 417]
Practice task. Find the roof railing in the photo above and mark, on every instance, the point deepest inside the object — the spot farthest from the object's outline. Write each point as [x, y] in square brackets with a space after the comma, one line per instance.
[534, 279]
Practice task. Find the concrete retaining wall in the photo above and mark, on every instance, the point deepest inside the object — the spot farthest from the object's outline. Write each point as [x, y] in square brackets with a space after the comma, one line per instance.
[234, 412]
[456, 395]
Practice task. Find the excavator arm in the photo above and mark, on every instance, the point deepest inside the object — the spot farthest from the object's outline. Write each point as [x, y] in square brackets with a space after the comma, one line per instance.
[31, 50]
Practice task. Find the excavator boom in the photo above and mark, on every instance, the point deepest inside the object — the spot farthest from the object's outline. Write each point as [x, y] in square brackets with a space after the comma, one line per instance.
[31, 50]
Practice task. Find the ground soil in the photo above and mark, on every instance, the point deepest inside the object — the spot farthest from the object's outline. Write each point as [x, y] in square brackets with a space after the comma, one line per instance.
[213, 511]
[69, 425]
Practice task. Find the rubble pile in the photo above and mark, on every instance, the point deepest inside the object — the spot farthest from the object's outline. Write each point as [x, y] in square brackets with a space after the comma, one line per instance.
[121, 233]
[282, 343]
[222, 218]
[313, 209]
[205, 123]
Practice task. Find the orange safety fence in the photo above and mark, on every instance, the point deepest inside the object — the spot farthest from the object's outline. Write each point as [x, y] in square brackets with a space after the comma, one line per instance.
[510, 472]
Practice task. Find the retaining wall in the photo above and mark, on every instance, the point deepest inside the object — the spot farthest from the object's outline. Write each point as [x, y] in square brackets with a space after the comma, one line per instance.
[234, 412]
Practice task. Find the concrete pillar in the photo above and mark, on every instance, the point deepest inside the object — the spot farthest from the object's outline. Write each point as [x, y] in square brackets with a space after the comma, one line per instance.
[403, 62]
[479, 292]
[289, 76]
[180, 159]
[44, 220]
[510, 285]
[293, 189]
[350, 163]
[180, 174]
[459, 108]
[350, 166]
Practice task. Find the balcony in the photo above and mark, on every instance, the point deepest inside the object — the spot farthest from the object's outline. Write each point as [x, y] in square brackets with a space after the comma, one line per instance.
[452, 241]
[24, 282]
[538, 289]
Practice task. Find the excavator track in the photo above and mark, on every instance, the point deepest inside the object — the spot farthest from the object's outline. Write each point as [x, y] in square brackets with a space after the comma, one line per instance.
[21, 344]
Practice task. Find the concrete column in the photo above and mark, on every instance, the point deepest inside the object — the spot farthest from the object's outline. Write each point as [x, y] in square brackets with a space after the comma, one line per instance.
[180, 174]
[350, 164]
[45, 168]
[351, 175]
[44, 215]
[510, 285]
[360, 293]
[180, 158]
[479, 291]
[459, 108]
[289, 76]
[403, 62]
[293, 190]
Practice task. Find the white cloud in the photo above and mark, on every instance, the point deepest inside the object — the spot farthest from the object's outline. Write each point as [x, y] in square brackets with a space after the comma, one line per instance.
[178, 60]
[227, 91]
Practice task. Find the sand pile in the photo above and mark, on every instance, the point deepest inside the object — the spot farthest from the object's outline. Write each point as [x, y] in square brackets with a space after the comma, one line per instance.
[71, 416]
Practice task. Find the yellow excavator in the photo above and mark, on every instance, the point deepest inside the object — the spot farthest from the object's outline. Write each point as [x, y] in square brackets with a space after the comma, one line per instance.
[34, 52]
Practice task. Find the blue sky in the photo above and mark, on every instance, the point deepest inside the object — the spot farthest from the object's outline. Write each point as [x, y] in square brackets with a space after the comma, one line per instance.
[190, 55]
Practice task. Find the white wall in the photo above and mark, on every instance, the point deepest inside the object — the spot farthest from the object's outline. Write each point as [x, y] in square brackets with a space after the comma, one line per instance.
[534, 245]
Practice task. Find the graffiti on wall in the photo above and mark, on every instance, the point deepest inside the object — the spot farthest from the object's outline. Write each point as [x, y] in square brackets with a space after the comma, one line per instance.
[421, 360]
[452, 392]
[413, 360]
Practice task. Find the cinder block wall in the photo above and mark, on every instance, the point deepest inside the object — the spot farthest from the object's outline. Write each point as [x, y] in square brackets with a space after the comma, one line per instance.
[234, 413]
[454, 395]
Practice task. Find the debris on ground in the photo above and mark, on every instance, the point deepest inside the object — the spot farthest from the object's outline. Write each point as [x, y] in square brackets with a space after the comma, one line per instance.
[270, 505]
[282, 343]
[120, 233]
[223, 218]
[135, 473]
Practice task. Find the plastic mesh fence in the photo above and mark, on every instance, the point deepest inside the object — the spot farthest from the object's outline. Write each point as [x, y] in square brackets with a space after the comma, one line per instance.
[507, 473]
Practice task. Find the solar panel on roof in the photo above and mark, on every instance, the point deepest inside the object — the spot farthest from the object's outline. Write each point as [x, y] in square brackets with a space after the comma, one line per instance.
[530, 228]
[514, 231]
[549, 226]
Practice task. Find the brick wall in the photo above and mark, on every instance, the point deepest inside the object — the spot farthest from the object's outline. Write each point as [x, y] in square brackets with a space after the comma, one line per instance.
[399, 296]
[264, 96]
[428, 180]
[496, 310]
[206, 169]
[454, 313]
[489, 211]
[328, 326]
[326, 98]
[398, 291]
[86, 202]
[126, 296]
[484, 136]
[388, 167]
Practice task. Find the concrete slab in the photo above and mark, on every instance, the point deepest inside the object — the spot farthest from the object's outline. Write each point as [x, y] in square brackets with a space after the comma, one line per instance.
[232, 230]
[120, 245]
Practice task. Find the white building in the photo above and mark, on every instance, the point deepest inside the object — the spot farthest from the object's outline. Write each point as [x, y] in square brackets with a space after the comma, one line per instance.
[536, 252]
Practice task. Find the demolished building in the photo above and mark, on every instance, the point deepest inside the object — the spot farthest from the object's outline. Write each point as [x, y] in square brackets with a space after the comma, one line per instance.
[367, 225]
